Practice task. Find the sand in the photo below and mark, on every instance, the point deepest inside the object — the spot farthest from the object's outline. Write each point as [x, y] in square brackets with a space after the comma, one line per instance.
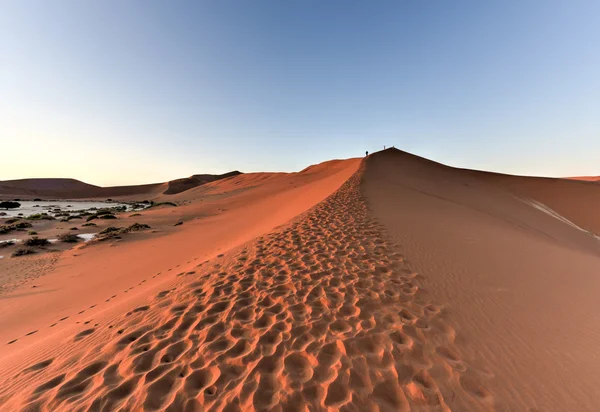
[391, 284]
[520, 285]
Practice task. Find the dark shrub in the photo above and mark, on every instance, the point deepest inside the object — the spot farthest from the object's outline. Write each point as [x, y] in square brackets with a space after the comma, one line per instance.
[92, 217]
[9, 205]
[89, 224]
[135, 214]
[22, 251]
[110, 229]
[103, 212]
[69, 238]
[138, 226]
[4, 229]
[107, 217]
[6, 243]
[40, 216]
[37, 199]
[178, 224]
[163, 204]
[36, 241]
[32, 232]
[22, 225]
[11, 221]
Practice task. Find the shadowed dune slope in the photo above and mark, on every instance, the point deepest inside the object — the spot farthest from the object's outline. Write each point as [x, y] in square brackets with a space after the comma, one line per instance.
[576, 200]
[181, 185]
[521, 283]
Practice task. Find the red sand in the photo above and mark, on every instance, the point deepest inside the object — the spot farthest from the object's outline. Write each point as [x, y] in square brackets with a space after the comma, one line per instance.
[400, 285]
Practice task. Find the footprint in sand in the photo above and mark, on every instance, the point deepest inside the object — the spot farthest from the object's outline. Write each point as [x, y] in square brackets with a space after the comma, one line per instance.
[83, 334]
[39, 366]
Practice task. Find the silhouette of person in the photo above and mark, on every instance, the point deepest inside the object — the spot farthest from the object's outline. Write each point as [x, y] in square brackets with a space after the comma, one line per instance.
[367, 153]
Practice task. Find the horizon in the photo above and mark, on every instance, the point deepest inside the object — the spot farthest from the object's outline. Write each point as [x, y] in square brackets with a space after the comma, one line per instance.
[116, 94]
[582, 178]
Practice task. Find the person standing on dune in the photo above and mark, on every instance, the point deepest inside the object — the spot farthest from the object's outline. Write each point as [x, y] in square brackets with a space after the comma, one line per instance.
[367, 153]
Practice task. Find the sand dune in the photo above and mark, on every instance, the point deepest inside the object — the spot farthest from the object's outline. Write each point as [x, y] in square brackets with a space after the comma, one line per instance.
[391, 284]
[586, 178]
[521, 285]
[74, 189]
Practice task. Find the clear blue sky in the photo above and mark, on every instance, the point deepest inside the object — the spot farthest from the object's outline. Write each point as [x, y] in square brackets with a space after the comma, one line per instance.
[116, 92]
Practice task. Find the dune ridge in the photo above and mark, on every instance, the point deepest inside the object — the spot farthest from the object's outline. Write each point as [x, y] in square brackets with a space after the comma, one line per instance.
[323, 314]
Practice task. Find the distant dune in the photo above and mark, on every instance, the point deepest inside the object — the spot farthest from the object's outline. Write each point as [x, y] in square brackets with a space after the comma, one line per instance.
[181, 185]
[387, 283]
[586, 178]
[74, 189]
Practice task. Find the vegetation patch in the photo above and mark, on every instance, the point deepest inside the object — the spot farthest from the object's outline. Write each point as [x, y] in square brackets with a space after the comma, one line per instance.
[68, 238]
[89, 224]
[36, 241]
[4, 229]
[110, 229]
[40, 216]
[115, 232]
[138, 226]
[22, 251]
[152, 204]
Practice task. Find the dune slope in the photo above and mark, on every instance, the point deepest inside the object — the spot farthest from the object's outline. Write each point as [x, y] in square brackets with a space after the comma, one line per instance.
[521, 284]
[322, 314]
[413, 286]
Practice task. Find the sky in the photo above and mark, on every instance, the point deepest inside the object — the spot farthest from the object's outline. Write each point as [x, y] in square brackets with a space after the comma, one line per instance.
[125, 92]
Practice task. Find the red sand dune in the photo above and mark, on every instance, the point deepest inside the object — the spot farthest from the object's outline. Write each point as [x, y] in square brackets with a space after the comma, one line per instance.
[74, 189]
[586, 178]
[390, 284]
